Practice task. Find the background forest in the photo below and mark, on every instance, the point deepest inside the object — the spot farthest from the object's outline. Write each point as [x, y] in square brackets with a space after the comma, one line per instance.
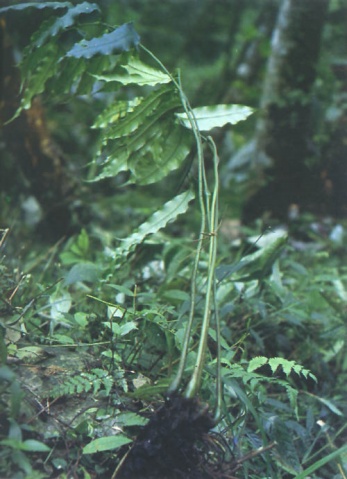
[173, 203]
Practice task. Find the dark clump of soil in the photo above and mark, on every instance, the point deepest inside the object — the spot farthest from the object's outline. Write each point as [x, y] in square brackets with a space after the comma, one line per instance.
[175, 444]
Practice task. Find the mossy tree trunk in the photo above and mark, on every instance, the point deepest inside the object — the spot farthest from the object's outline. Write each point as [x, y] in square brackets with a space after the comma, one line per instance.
[283, 133]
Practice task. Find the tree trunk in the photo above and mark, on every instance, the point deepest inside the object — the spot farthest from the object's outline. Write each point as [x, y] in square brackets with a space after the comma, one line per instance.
[283, 134]
[44, 176]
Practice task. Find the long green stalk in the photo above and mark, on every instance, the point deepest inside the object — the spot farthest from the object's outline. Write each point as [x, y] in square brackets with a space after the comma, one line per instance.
[195, 381]
[307, 472]
[209, 217]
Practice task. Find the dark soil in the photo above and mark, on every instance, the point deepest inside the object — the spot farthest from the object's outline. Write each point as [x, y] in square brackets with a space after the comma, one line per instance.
[176, 444]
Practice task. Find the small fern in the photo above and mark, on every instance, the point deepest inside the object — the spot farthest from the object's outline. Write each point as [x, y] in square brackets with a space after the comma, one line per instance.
[253, 380]
[274, 363]
[86, 382]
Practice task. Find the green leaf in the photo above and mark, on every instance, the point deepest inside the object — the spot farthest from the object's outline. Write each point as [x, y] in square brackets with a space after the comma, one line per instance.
[127, 327]
[256, 265]
[64, 22]
[163, 153]
[31, 354]
[274, 363]
[60, 304]
[330, 405]
[209, 117]
[106, 443]
[30, 445]
[149, 144]
[136, 72]
[82, 272]
[148, 391]
[307, 472]
[147, 112]
[39, 6]
[157, 221]
[115, 112]
[256, 363]
[131, 419]
[285, 451]
[122, 39]
[37, 67]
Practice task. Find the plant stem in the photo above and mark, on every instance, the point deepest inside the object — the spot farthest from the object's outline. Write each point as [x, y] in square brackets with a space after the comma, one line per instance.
[195, 381]
[209, 216]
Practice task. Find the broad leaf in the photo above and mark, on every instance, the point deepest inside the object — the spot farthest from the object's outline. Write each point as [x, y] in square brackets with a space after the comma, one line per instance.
[208, 117]
[157, 221]
[106, 443]
[30, 445]
[256, 265]
[60, 304]
[136, 72]
[83, 272]
[122, 39]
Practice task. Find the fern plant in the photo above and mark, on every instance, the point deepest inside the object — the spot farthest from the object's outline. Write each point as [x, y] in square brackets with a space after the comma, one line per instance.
[85, 382]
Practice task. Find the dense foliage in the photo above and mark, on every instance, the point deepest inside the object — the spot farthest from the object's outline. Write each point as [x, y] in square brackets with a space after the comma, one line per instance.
[93, 326]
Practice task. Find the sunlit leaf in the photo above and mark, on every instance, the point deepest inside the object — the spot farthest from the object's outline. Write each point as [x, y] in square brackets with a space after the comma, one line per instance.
[106, 443]
[136, 72]
[31, 354]
[60, 304]
[115, 112]
[256, 363]
[208, 117]
[82, 272]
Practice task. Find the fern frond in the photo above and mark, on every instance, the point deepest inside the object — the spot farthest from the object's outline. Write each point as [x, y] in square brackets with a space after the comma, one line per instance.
[157, 221]
[256, 363]
[83, 383]
[287, 366]
[149, 144]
